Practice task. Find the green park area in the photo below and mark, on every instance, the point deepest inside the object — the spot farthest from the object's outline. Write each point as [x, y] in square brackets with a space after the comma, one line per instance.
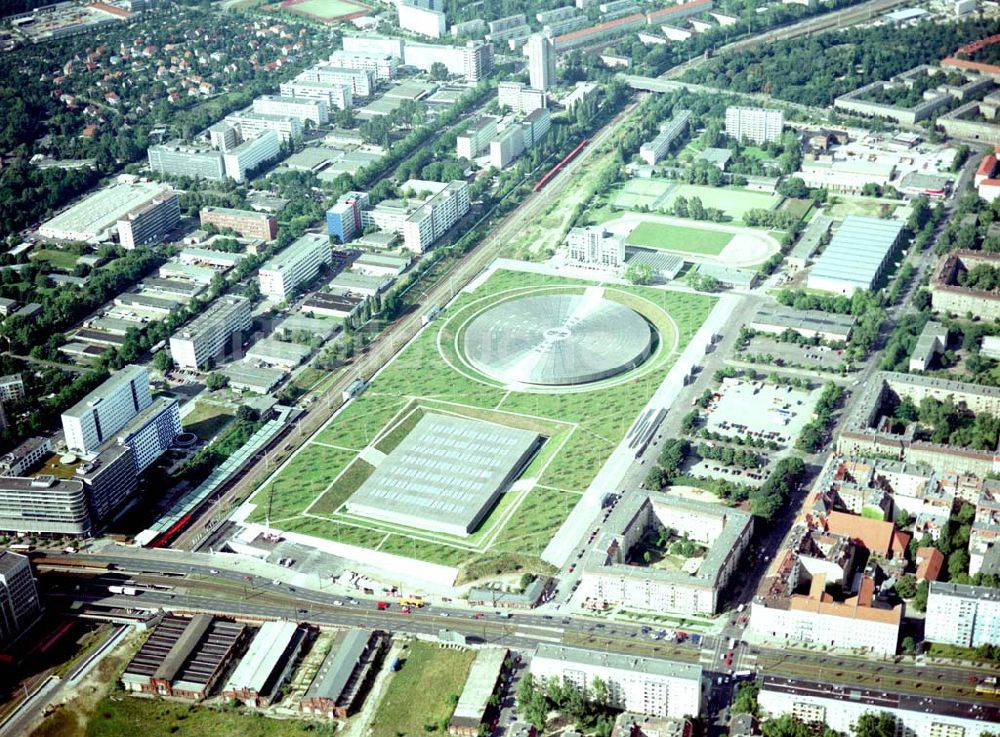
[421, 696]
[840, 206]
[207, 419]
[57, 259]
[678, 238]
[581, 427]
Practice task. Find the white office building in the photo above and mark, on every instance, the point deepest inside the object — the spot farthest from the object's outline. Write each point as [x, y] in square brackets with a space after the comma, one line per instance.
[383, 65]
[296, 265]
[336, 96]
[20, 605]
[754, 124]
[374, 45]
[652, 151]
[474, 61]
[594, 247]
[252, 124]
[249, 155]
[519, 98]
[476, 137]
[649, 686]
[100, 414]
[302, 109]
[507, 146]
[840, 706]
[206, 336]
[151, 433]
[361, 81]
[966, 616]
[419, 17]
[541, 53]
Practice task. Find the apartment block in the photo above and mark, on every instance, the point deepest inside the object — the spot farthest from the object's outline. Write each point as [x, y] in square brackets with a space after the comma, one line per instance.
[207, 336]
[302, 109]
[436, 216]
[20, 605]
[643, 685]
[506, 146]
[967, 616]
[541, 53]
[754, 124]
[652, 151]
[11, 388]
[149, 224]
[839, 706]
[104, 411]
[246, 223]
[295, 266]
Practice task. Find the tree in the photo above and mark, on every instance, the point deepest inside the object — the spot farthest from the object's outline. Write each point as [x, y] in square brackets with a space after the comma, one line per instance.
[531, 702]
[641, 274]
[906, 586]
[215, 381]
[920, 598]
[882, 724]
[786, 726]
[909, 645]
[162, 360]
[438, 71]
[746, 699]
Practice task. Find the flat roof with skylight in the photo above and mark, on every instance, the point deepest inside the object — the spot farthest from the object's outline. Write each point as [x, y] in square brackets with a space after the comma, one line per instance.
[445, 475]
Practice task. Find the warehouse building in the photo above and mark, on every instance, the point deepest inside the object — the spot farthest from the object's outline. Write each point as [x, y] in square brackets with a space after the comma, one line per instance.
[379, 264]
[267, 664]
[445, 475]
[247, 223]
[775, 319]
[299, 324]
[20, 606]
[246, 378]
[217, 260]
[332, 305]
[279, 353]
[339, 686]
[184, 657]
[207, 336]
[94, 218]
[474, 705]
[296, 266]
[106, 409]
[858, 255]
[359, 284]
[655, 687]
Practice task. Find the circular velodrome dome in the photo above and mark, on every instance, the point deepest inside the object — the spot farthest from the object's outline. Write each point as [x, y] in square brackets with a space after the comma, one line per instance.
[557, 340]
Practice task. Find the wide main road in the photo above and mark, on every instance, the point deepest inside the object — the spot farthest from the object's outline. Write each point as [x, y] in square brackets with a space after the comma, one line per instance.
[396, 336]
[230, 592]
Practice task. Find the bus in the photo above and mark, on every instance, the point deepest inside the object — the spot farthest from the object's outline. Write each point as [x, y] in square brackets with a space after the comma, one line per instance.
[411, 600]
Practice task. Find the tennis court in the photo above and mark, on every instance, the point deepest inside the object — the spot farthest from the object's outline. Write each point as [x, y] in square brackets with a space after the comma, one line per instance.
[642, 193]
[733, 202]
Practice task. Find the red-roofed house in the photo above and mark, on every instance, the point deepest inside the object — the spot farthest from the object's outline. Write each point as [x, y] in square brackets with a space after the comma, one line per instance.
[929, 562]
[879, 537]
[986, 180]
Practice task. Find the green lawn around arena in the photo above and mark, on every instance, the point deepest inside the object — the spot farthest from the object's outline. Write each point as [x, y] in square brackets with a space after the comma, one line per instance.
[679, 238]
[659, 195]
[581, 428]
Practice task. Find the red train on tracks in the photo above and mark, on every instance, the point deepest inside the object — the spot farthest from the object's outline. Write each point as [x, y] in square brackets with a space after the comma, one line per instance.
[555, 169]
